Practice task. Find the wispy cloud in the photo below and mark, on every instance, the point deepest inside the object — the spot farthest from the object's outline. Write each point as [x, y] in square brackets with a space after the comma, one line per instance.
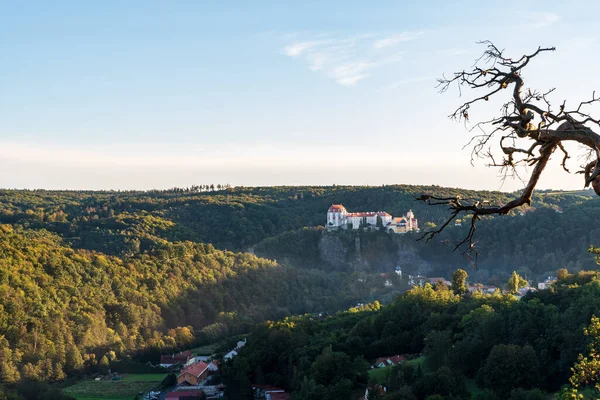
[395, 39]
[297, 49]
[455, 52]
[348, 59]
[542, 19]
[395, 85]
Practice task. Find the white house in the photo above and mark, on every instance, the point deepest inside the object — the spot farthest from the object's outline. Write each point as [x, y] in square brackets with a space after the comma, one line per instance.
[338, 217]
[240, 344]
[230, 355]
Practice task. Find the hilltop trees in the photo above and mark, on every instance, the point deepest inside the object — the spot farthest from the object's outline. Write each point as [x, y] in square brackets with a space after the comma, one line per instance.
[516, 282]
[459, 281]
[528, 131]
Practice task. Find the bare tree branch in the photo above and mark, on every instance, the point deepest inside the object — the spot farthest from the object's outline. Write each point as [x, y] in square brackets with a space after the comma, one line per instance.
[531, 131]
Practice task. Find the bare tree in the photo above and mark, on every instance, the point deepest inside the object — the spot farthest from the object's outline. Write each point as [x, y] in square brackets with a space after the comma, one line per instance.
[526, 133]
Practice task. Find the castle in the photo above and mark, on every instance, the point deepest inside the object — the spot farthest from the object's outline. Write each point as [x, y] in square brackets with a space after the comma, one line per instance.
[338, 217]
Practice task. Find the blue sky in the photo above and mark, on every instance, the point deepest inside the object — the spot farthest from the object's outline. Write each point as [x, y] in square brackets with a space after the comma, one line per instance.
[155, 94]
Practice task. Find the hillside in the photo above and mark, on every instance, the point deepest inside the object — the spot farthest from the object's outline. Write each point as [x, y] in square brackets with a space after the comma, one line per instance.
[88, 277]
[475, 346]
[62, 309]
[234, 219]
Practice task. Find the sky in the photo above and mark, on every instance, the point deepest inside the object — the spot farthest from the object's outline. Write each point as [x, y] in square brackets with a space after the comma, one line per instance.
[156, 94]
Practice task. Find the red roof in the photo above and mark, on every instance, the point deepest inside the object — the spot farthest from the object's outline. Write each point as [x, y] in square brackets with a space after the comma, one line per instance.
[393, 359]
[183, 356]
[183, 393]
[195, 369]
[337, 208]
[166, 359]
[369, 214]
[279, 396]
[397, 359]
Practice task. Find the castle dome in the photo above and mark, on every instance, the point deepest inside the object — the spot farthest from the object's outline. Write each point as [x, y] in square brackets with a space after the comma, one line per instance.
[337, 208]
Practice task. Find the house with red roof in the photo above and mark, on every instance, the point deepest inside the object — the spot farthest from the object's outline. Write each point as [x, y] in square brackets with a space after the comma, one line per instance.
[193, 374]
[269, 392]
[383, 362]
[185, 395]
[180, 358]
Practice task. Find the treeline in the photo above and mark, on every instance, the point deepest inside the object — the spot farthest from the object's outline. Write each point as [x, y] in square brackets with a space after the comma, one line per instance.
[234, 218]
[506, 349]
[64, 310]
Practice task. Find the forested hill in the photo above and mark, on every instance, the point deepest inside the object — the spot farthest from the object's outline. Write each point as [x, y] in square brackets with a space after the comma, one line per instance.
[124, 223]
[63, 309]
[536, 245]
[475, 346]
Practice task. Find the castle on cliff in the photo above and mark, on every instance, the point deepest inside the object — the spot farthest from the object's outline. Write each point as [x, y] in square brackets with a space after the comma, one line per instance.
[339, 218]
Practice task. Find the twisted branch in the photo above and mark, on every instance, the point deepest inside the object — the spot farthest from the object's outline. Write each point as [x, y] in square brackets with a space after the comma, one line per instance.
[531, 132]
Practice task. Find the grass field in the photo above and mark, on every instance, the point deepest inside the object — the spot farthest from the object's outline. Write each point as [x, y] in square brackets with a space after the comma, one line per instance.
[206, 350]
[125, 389]
[144, 377]
[380, 375]
[416, 362]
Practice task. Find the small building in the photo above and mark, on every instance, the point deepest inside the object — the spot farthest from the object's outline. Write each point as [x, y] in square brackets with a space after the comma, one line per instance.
[193, 374]
[383, 362]
[418, 280]
[269, 392]
[399, 271]
[213, 367]
[240, 344]
[230, 355]
[180, 358]
[185, 395]
[546, 283]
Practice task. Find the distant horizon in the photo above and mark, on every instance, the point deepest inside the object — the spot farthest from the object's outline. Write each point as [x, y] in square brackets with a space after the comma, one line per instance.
[166, 189]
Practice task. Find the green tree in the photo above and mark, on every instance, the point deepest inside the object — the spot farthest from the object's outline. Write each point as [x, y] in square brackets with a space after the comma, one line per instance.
[515, 282]
[459, 281]
[510, 367]
[562, 274]
[585, 370]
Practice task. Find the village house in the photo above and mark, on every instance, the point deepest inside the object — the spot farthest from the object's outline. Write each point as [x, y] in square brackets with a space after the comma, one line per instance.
[213, 367]
[383, 362]
[523, 291]
[184, 395]
[181, 358]
[339, 218]
[230, 355]
[418, 280]
[235, 350]
[547, 283]
[193, 374]
[269, 392]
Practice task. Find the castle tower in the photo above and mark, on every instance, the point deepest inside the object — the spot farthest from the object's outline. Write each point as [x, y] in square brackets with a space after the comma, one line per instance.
[336, 215]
